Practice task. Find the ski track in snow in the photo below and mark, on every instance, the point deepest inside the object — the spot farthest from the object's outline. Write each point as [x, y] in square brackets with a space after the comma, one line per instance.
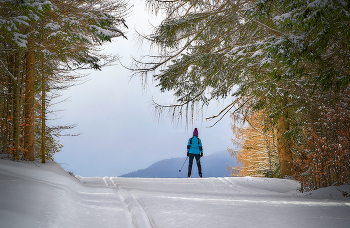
[46, 196]
[139, 214]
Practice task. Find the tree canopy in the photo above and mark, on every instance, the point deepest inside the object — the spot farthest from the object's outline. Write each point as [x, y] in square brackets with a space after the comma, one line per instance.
[284, 58]
[42, 43]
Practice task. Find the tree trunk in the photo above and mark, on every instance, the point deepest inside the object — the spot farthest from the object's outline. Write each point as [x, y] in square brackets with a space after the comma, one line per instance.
[43, 115]
[283, 146]
[29, 102]
[5, 130]
[16, 105]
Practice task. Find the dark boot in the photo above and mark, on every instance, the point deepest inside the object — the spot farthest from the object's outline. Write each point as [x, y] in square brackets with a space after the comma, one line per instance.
[189, 171]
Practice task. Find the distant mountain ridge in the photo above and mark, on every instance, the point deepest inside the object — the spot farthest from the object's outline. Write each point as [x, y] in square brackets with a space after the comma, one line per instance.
[213, 165]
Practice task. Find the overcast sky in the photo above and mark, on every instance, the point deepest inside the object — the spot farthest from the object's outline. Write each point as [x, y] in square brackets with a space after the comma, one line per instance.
[120, 132]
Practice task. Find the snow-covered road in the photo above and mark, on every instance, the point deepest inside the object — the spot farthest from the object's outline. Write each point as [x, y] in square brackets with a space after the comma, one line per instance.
[44, 195]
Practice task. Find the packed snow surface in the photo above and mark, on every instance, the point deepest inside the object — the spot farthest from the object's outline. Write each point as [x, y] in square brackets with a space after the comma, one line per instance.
[44, 195]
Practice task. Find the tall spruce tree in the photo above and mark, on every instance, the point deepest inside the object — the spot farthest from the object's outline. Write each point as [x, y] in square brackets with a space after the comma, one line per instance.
[63, 35]
[273, 52]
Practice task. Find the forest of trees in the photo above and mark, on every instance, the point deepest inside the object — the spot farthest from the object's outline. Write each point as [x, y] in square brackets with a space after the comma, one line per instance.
[284, 65]
[42, 45]
[285, 61]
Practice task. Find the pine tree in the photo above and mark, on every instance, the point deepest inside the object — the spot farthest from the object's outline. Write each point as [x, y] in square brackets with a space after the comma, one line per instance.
[274, 52]
[63, 35]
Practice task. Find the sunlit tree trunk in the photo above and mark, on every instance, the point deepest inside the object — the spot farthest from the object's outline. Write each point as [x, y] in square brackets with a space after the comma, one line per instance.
[29, 102]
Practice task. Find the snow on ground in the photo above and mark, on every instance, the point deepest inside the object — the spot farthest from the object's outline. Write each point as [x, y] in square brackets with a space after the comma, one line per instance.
[44, 195]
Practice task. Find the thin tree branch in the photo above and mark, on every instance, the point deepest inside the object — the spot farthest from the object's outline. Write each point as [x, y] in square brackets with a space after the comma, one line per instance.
[11, 75]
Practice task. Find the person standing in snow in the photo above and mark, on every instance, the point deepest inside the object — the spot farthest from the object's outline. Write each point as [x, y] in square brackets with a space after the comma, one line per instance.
[194, 150]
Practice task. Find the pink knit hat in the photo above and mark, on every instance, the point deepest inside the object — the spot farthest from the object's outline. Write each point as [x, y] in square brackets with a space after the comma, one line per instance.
[195, 132]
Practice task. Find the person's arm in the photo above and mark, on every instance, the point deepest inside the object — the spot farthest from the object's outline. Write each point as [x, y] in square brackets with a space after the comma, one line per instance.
[200, 147]
[188, 147]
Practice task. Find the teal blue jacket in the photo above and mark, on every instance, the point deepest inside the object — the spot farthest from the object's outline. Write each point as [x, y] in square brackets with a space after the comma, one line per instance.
[194, 145]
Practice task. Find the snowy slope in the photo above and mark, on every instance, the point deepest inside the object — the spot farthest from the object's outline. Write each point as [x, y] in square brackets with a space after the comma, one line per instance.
[44, 195]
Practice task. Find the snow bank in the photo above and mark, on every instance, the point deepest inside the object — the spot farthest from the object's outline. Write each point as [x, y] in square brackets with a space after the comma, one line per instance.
[44, 195]
[334, 192]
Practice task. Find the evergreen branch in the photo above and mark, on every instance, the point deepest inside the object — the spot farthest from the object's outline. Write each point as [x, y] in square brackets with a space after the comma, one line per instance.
[221, 117]
[268, 27]
[215, 116]
[232, 105]
[188, 43]
[168, 59]
[178, 105]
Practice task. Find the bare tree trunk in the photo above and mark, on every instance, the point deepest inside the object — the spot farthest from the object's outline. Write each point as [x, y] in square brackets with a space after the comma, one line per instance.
[16, 105]
[283, 146]
[29, 102]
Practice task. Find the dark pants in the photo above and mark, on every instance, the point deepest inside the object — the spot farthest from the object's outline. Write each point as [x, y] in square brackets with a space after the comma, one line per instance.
[198, 160]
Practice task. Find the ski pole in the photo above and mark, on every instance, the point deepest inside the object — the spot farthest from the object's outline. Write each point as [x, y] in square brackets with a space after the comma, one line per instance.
[183, 165]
